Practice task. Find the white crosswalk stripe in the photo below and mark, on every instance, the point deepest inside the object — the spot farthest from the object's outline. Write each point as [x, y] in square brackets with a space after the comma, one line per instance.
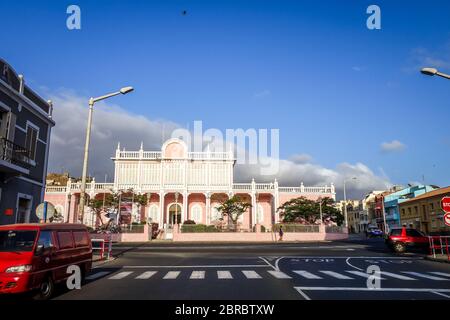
[224, 275]
[172, 275]
[250, 274]
[336, 275]
[364, 274]
[307, 275]
[441, 274]
[397, 276]
[279, 274]
[146, 275]
[197, 275]
[121, 275]
[426, 276]
[97, 275]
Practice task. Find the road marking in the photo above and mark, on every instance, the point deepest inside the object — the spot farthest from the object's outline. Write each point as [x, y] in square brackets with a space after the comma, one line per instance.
[347, 261]
[97, 275]
[426, 276]
[279, 274]
[250, 274]
[197, 275]
[268, 263]
[397, 276]
[306, 274]
[193, 267]
[441, 274]
[146, 275]
[364, 274]
[224, 275]
[441, 294]
[171, 275]
[304, 295]
[372, 290]
[121, 275]
[336, 275]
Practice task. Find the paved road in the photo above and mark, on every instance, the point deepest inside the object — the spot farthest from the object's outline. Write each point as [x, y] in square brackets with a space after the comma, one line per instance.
[335, 270]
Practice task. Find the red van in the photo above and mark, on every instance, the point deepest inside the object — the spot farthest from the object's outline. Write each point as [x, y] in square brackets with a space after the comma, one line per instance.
[35, 257]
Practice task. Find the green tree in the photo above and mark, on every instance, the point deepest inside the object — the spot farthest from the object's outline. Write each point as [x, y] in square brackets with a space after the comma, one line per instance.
[303, 210]
[233, 208]
[106, 202]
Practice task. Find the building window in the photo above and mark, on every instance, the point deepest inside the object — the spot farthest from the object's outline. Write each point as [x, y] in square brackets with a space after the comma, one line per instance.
[31, 141]
[196, 213]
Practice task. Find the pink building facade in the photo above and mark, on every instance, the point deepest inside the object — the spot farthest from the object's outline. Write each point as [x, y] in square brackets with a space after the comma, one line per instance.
[183, 185]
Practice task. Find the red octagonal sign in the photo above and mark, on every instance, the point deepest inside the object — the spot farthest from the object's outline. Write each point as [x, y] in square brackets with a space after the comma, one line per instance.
[445, 204]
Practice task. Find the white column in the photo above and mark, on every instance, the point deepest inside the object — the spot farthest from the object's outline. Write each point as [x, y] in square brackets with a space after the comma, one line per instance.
[161, 208]
[139, 168]
[208, 207]
[276, 201]
[184, 215]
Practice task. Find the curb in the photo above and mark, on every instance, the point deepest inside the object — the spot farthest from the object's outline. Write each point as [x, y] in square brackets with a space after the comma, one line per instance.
[437, 259]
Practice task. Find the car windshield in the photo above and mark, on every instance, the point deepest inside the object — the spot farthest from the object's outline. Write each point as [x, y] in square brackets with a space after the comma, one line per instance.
[396, 232]
[17, 240]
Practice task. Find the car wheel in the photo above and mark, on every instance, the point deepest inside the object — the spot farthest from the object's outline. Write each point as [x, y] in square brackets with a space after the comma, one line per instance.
[399, 247]
[46, 289]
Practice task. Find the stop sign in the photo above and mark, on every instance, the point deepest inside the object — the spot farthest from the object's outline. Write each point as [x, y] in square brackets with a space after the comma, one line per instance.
[447, 219]
[445, 204]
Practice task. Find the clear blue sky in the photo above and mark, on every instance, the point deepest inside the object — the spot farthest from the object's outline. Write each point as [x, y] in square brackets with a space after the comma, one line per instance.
[311, 68]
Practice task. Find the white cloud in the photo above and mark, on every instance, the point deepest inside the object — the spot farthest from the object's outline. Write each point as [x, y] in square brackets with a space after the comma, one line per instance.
[423, 57]
[393, 146]
[112, 123]
[301, 158]
[262, 94]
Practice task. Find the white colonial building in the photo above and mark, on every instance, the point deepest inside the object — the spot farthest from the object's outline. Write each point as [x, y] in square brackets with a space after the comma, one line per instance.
[183, 185]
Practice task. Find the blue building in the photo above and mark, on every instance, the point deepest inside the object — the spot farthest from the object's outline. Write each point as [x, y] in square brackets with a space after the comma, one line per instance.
[392, 201]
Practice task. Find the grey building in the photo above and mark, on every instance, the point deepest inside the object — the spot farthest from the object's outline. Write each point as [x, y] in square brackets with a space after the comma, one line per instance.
[25, 125]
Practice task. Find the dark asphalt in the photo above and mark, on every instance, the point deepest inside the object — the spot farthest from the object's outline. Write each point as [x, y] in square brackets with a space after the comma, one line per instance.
[277, 271]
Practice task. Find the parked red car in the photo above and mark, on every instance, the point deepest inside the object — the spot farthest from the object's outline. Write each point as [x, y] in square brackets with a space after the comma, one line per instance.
[35, 257]
[402, 239]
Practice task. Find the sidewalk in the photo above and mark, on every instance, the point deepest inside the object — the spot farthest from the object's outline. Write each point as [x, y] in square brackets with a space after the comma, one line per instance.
[439, 258]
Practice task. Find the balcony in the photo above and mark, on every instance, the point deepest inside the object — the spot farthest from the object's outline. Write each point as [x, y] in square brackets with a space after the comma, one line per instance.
[14, 159]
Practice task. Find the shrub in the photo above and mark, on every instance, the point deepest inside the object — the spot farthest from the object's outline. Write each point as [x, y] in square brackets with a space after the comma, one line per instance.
[189, 222]
[196, 228]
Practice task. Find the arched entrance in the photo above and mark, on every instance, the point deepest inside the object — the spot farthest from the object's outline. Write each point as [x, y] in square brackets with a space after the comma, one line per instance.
[174, 210]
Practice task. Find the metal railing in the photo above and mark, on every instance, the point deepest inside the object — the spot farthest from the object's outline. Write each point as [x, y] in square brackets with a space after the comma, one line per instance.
[13, 153]
[439, 243]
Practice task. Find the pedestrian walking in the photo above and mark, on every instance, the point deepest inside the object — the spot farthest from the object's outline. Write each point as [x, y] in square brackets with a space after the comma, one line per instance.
[280, 232]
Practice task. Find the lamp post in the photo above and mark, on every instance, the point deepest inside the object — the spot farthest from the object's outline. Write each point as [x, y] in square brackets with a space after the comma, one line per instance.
[434, 72]
[345, 201]
[92, 101]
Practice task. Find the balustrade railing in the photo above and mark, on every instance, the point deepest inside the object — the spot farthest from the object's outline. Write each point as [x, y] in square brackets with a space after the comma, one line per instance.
[247, 187]
[13, 153]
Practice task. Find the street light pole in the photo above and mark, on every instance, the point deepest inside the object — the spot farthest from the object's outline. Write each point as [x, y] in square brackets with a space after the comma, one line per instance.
[92, 101]
[434, 72]
[345, 202]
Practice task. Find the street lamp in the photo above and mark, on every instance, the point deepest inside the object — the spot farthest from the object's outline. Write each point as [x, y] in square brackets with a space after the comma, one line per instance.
[345, 201]
[92, 101]
[433, 72]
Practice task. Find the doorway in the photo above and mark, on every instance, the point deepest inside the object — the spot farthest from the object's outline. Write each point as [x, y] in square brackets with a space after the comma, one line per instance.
[175, 214]
[24, 203]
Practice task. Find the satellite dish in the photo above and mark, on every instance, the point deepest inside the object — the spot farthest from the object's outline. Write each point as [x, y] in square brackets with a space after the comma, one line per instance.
[40, 211]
